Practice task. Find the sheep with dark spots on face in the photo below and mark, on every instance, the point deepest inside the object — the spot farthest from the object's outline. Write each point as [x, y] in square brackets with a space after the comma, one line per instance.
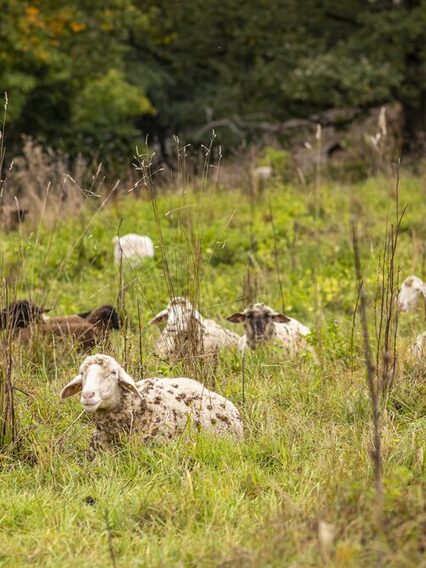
[86, 332]
[187, 332]
[149, 409]
[263, 325]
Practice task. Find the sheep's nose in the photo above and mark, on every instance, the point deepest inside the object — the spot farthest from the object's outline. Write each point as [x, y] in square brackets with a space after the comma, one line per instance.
[401, 307]
[89, 394]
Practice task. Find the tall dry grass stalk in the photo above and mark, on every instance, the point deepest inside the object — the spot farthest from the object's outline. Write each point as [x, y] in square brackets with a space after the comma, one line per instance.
[386, 297]
[373, 389]
[187, 279]
[381, 368]
[250, 282]
[315, 267]
[277, 259]
[3, 147]
[8, 424]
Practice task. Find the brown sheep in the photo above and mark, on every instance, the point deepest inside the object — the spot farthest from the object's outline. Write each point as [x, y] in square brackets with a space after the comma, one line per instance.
[86, 332]
[20, 314]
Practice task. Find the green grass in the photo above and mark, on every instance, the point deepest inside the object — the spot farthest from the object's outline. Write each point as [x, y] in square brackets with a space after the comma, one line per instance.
[305, 454]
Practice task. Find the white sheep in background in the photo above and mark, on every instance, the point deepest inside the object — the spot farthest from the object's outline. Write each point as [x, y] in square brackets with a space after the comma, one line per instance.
[187, 332]
[152, 409]
[132, 249]
[262, 324]
[412, 289]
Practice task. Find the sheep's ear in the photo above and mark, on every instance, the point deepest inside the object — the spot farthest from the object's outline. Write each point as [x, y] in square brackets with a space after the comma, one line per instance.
[85, 315]
[280, 318]
[161, 317]
[237, 317]
[127, 382]
[73, 387]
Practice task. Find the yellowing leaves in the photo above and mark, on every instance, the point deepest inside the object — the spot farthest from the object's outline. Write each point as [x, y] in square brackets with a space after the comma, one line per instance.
[77, 26]
[32, 14]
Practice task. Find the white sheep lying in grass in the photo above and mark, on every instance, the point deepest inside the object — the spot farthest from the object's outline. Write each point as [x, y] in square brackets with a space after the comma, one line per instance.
[412, 289]
[187, 332]
[262, 324]
[156, 408]
[132, 249]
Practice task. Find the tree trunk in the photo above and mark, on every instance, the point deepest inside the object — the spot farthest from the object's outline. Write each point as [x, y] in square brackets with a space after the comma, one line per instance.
[415, 123]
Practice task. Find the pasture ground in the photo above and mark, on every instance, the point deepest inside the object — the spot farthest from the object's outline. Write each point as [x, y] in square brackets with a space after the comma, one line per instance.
[305, 459]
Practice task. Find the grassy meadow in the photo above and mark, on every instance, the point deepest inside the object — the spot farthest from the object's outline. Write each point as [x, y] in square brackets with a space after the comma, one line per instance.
[299, 490]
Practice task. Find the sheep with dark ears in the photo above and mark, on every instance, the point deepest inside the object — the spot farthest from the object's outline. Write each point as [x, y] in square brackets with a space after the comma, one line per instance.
[86, 332]
[263, 325]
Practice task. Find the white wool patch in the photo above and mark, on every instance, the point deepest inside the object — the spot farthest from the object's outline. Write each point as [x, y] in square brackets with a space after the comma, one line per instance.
[132, 248]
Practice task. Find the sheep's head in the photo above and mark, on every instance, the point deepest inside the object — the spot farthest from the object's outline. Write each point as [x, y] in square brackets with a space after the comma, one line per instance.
[183, 326]
[100, 381]
[179, 316]
[21, 313]
[258, 321]
[412, 289]
[106, 315]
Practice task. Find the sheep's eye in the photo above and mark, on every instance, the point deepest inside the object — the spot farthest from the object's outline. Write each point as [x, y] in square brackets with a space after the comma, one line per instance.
[113, 372]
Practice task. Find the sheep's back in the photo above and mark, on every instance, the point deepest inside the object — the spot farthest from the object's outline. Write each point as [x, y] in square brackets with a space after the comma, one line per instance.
[83, 334]
[174, 404]
[217, 336]
[133, 247]
[64, 320]
[287, 335]
[299, 327]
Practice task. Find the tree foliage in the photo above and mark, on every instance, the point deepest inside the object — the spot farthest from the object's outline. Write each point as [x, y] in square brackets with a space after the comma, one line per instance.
[99, 76]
